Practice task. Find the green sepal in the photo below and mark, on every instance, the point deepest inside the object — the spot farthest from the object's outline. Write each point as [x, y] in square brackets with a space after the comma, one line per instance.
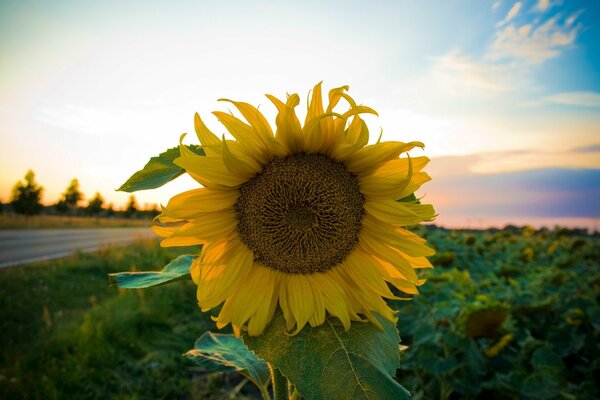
[158, 171]
[411, 198]
[328, 362]
[177, 269]
[220, 352]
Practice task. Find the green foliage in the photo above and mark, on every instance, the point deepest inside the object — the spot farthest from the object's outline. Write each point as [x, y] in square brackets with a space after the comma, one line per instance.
[131, 208]
[94, 206]
[329, 363]
[158, 171]
[73, 194]
[219, 352]
[514, 315]
[26, 196]
[177, 269]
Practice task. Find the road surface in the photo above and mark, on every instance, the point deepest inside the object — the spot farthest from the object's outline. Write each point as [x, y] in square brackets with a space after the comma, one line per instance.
[22, 246]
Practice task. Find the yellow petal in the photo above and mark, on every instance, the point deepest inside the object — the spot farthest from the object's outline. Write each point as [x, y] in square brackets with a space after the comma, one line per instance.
[360, 269]
[236, 162]
[249, 141]
[289, 131]
[299, 295]
[209, 140]
[398, 238]
[209, 226]
[392, 212]
[315, 107]
[255, 119]
[269, 290]
[335, 296]
[415, 183]
[209, 171]
[189, 205]
[373, 156]
[391, 255]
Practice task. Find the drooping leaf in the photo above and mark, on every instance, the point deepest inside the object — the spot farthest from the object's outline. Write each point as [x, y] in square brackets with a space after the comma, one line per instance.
[177, 269]
[220, 352]
[327, 362]
[158, 171]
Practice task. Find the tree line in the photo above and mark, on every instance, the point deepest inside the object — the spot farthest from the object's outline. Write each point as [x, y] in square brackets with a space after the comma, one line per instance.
[27, 195]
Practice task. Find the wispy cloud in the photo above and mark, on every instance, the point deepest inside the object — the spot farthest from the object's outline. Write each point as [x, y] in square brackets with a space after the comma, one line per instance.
[534, 43]
[515, 52]
[103, 121]
[594, 148]
[514, 10]
[542, 5]
[515, 160]
[580, 99]
[461, 72]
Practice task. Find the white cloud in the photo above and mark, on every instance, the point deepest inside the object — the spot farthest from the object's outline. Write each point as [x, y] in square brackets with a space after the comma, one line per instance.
[514, 10]
[496, 5]
[462, 73]
[542, 5]
[582, 99]
[573, 17]
[533, 44]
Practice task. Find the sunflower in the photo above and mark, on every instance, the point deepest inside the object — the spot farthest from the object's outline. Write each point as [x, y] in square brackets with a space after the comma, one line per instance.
[310, 218]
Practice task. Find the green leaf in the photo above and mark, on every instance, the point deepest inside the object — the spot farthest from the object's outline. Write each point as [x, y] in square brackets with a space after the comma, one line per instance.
[177, 269]
[327, 362]
[541, 386]
[158, 171]
[219, 352]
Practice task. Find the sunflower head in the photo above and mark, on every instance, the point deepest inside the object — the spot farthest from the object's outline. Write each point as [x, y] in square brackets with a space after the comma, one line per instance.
[309, 218]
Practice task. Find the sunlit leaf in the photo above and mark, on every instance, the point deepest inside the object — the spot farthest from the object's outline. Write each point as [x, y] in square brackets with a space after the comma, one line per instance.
[329, 363]
[219, 352]
[177, 269]
[158, 171]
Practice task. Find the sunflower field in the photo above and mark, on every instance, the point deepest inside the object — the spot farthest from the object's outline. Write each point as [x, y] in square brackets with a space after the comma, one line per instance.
[507, 313]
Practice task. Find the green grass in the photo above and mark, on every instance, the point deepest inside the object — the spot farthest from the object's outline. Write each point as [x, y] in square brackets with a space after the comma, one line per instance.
[66, 333]
[57, 221]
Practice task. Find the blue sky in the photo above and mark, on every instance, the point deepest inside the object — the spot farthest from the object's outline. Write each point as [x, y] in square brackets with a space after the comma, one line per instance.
[92, 90]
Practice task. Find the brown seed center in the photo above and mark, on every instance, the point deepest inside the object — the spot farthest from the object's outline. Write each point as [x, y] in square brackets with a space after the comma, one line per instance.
[301, 214]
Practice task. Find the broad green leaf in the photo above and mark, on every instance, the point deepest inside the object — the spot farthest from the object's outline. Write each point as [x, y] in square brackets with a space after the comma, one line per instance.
[177, 269]
[219, 352]
[327, 362]
[158, 171]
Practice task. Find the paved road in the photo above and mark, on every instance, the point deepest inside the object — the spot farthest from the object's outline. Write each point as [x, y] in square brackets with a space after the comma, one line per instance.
[28, 245]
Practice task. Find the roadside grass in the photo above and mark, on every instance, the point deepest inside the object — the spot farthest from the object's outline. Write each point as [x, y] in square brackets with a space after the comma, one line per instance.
[66, 333]
[8, 221]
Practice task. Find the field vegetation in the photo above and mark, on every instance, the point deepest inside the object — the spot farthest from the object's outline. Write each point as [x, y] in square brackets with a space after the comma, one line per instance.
[506, 314]
[14, 221]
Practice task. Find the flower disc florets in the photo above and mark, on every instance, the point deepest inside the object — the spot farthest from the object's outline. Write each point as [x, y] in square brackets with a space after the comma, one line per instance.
[301, 214]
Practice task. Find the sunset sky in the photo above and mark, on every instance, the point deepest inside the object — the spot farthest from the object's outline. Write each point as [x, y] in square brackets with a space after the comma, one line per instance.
[505, 95]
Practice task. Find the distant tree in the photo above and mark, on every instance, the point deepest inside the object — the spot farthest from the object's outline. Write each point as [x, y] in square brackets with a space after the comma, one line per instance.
[70, 198]
[153, 210]
[132, 207]
[26, 196]
[110, 210]
[94, 206]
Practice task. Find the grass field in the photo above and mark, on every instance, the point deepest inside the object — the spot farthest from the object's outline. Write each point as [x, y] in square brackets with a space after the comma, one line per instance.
[66, 334]
[505, 314]
[57, 221]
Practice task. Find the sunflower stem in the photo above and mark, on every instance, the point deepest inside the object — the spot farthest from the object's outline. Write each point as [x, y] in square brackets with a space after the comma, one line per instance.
[280, 384]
